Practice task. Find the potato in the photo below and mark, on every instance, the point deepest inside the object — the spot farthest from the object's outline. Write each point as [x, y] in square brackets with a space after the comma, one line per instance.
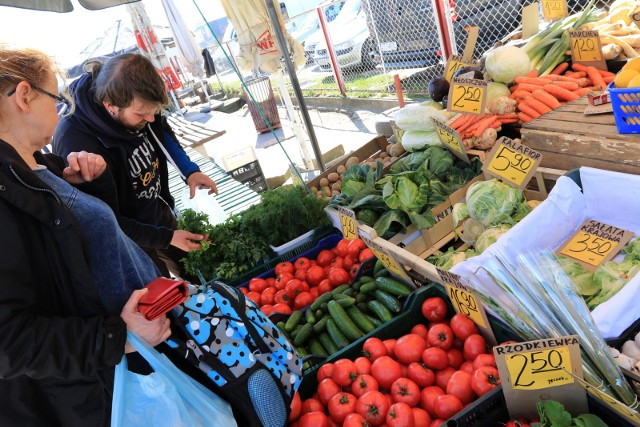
[334, 192]
[333, 177]
[383, 155]
[392, 159]
[314, 189]
[373, 165]
[341, 176]
[397, 150]
[388, 148]
[324, 182]
[326, 191]
[341, 169]
[352, 161]
[336, 186]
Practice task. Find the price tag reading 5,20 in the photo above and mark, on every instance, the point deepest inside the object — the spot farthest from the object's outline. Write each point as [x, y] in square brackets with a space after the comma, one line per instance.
[467, 96]
[512, 162]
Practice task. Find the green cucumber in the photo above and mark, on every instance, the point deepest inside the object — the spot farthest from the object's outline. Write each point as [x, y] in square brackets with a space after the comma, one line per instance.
[328, 343]
[361, 297]
[346, 302]
[382, 273]
[389, 301]
[373, 319]
[340, 289]
[280, 325]
[380, 310]
[295, 331]
[360, 319]
[293, 321]
[349, 292]
[368, 287]
[363, 307]
[393, 286]
[309, 316]
[324, 298]
[342, 320]
[316, 347]
[337, 336]
[366, 279]
[303, 334]
[356, 285]
[321, 325]
[378, 267]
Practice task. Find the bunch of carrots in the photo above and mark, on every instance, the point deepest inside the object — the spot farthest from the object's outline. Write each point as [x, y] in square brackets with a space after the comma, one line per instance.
[469, 125]
[537, 95]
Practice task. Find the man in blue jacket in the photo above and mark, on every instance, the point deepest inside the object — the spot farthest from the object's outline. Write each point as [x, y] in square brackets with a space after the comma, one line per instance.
[117, 115]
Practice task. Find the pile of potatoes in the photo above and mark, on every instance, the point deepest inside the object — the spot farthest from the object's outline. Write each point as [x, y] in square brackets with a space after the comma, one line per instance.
[332, 183]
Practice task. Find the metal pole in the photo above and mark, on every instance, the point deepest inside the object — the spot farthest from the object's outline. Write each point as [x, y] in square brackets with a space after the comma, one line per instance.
[294, 82]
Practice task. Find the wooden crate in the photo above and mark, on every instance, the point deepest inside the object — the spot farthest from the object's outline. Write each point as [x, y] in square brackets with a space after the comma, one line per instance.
[568, 139]
[192, 134]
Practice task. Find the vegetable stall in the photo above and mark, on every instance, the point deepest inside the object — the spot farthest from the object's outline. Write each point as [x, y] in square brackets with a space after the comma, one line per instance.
[478, 268]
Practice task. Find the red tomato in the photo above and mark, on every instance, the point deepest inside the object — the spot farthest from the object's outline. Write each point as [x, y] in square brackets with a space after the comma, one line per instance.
[485, 379]
[281, 308]
[434, 309]
[353, 272]
[255, 297]
[324, 371]
[303, 299]
[301, 274]
[390, 344]
[467, 366]
[338, 262]
[447, 406]
[344, 372]
[421, 330]
[385, 370]
[428, 397]
[440, 336]
[301, 263]
[363, 365]
[437, 422]
[325, 257]
[342, 248]
[473, 346]
[295, 287]
[365, 255]
[271, 281]
[258, 285]
[311, 405]
[244, 290]
[348, 262]
[456, 359]
[373, 348]
[339, 276]
[282, 280]
[459, 385]
[400, 415]
[315, 275]
[355, 246]
[296, 407]
[435, 358]
[462, 326]
[484, 359]
[327, 388]
[284, 267]
[364, 383]
[315, 292]
[325, 286]
[314, 419]
[282, 297]
[354, 420]
[420, 374]
[268, 296]
[443, 376]
[373, 406]
[266, 309]
[421, 417]
[341, 405]
[405, 390]
[409, 348]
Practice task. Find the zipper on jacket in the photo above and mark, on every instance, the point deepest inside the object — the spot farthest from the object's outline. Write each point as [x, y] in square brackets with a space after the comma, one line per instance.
[46, 190]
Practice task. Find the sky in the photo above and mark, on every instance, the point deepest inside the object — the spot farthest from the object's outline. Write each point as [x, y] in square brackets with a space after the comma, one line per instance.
[65, 35]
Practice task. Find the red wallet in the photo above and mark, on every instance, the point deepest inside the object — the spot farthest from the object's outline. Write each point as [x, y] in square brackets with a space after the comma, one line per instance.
[164, 294]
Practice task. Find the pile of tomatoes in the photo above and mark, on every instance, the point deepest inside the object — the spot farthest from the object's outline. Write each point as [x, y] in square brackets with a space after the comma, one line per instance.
[297, 284]
[420, 379]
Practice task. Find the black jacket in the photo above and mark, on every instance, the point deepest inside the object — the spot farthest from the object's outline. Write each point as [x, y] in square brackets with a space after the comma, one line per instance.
[57, 345]
[90, 128]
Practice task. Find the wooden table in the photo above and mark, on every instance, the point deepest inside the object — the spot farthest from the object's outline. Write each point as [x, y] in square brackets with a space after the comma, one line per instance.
[568, 139]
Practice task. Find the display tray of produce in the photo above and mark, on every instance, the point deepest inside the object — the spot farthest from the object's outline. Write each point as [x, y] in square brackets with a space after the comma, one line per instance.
[626, 352]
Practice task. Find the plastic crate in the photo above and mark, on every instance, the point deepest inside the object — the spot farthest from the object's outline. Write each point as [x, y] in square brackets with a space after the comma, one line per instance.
[626, 108]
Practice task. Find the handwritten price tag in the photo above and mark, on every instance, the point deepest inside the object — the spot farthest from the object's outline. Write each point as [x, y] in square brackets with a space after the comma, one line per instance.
[348, 223]
[451, 139]
[554, 9]
[586, 49]
[595, 242]
[463, 298]
[454, 63]
[386, 258]
[512, 162]
[540, 369]
[467, 96]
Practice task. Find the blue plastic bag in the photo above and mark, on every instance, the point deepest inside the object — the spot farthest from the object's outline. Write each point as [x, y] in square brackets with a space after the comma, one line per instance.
[167, 397]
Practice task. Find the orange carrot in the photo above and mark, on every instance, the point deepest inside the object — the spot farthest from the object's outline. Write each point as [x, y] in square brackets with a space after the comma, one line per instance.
[566, 85]
[560, 93]
[546, 98]
[524, 118]
[507, 116]
[531, 80]
[560, 68]
[529, 111]
[513, 88]
[540, 107]
[520, 94]
[580, 67]
[583, 91]
[596, 77]
[463, 118]
[472, 121]
[533, 73]
[576, 74]
[608, 79]
[581, 81]
[528, 87]
[483, 125]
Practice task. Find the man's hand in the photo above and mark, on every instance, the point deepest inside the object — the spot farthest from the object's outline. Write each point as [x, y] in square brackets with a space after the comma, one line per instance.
[187, 241]
[199, 180]
[83, 167]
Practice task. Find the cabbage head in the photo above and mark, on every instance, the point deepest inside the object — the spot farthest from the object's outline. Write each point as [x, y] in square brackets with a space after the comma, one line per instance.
[415, 140]
[505, 63]
[451, 257]
[493, 202]
[496, 90]
[460, 212]
[418, 117]
[632, 250]
[490, 236]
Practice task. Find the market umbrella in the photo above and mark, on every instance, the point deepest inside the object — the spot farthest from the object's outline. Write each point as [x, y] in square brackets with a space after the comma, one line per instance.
[63, 5]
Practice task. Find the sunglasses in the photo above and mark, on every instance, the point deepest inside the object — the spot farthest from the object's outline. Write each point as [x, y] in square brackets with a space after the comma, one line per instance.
[44, 92]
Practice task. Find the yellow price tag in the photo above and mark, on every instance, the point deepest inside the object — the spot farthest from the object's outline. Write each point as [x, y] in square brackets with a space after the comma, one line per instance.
[465, 303]
[585, 49]
[451, 139]
[512, 162]
[554, 9]
[613, 403]
[589, 248]
[348, 223]
[536, 370]
[467, 96]
[388, 262]
[454, 64]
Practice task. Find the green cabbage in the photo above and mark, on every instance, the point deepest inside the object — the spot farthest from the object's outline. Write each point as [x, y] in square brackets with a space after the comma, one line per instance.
[632, 250]
[493, 202]
[505, 63]
[490, 236]
[414, 140]
[496, 90]
[451, 257]
[418, 117]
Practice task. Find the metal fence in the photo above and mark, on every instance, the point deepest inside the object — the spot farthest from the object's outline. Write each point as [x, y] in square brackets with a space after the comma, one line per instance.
[374, 40]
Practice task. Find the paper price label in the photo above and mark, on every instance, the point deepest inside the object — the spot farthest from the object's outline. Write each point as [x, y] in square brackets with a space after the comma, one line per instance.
[348, 223]
[614, 404]
[451, 139]
[512, 162]
[467, 96]
[540, 369]
[635, 16]
[463, 298]
[454, 63]
[553, 10]
[595, 242]
[388, 260]
[586, 49]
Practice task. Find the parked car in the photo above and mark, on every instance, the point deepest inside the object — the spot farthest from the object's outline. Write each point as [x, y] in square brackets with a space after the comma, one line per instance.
[231, 47]
[308, 32]
[351, 39]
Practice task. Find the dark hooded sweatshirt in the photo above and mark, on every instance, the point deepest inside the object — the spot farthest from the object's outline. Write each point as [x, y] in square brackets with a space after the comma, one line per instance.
[148, 221]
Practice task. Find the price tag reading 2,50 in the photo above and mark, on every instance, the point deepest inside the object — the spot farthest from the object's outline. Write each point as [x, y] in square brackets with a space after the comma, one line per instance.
[512, 162]
[348, 223]
[534, 370]
[553, 10]
[467, 96]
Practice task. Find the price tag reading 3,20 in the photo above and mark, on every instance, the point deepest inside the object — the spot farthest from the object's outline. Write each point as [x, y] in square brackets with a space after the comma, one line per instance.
[595, 242]
[512, 162]
[454, 63]
[467, 96]
[554, 9]
[451, 139]
[586, 49]
[348, 223]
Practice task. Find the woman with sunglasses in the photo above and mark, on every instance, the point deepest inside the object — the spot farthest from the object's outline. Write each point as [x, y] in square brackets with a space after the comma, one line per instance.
[59, 342]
